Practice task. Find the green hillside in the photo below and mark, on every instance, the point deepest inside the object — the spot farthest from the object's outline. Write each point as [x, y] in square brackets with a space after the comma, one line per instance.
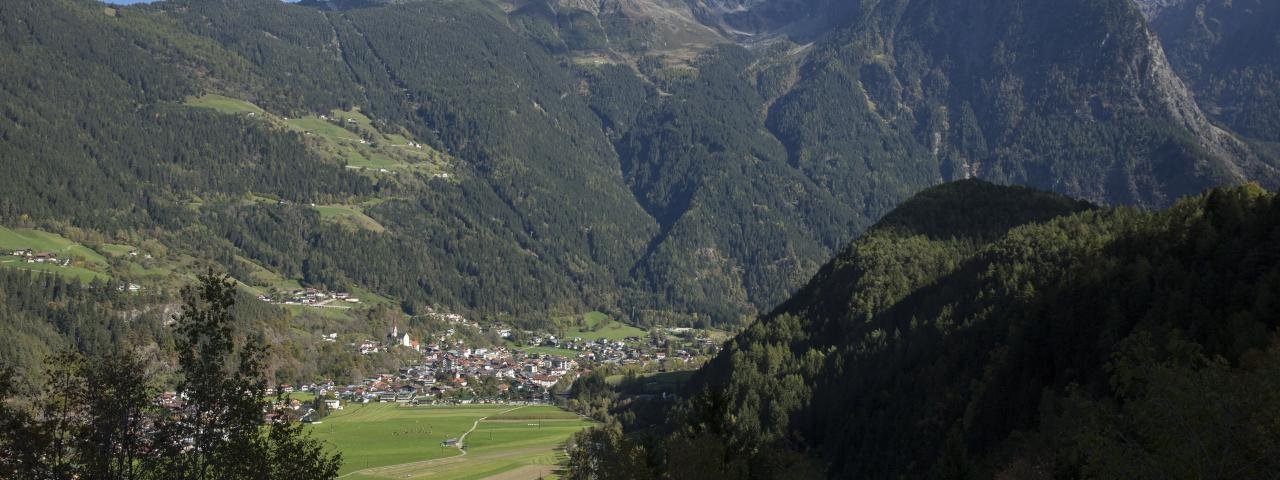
[598, 325]
[981, 331]
[347, 137]
[11, 239]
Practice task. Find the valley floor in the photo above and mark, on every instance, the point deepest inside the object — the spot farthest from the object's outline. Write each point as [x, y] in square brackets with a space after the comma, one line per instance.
[509, 442]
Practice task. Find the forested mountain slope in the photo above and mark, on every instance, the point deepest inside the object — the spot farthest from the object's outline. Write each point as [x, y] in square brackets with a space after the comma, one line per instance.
[982, 331]
[673, 161]
[534, 187]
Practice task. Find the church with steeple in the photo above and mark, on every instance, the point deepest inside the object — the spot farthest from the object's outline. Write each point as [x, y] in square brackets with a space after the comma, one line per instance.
[396, 338]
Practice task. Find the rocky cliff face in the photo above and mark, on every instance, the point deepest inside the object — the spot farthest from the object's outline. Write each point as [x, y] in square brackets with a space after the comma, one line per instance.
[1228, 52]
[613, 26]
[753, 19]
[671, 23]
[1152, 8]
[1173, 95]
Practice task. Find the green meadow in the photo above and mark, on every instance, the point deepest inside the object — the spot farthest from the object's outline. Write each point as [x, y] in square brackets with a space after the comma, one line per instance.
[21, 238]
[224, 104]
[350, 215]
[600, 326]
[38, 241]
[353, 139]
[74, 272]
[380, 441]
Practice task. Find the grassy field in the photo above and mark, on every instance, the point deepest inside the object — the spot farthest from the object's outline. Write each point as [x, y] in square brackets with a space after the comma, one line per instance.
[154, 273]
[38, 241]
[380, 441]
[225, 104]
[600, 326]
[321, 127]
[116, 250]
[353, 140]
[70, 272]
[13, 239]
[301, 396]
[351, 215]
[368, 298]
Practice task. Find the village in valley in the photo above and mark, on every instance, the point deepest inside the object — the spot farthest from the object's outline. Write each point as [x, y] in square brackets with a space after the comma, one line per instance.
[523, 367]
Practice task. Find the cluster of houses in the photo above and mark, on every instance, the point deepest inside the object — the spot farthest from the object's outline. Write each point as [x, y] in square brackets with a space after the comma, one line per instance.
[449, 366]
[455, 373]
[444, 368]
[628, 351]
[27, 255]
[449, 377]
[311, 297]
[448, 369]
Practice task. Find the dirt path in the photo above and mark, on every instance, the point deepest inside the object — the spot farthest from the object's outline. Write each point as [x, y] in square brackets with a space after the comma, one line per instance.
[462, 440]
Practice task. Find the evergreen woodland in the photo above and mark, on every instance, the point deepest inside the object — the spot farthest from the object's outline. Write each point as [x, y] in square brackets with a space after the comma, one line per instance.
[997, 332]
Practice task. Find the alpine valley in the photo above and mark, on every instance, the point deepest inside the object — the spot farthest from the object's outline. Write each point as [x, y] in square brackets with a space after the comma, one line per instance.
[901, 238]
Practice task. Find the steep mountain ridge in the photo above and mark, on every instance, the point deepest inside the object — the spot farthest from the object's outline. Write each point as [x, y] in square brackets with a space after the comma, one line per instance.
[907, 95]
[1227, 52]
[993, 332]
[924, 66]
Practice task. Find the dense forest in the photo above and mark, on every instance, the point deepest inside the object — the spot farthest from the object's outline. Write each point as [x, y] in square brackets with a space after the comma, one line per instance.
[980, 331]
[97, 415]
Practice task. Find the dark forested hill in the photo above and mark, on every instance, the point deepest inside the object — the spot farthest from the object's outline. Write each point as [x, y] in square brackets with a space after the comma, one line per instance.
[982, 331]
[675, 161]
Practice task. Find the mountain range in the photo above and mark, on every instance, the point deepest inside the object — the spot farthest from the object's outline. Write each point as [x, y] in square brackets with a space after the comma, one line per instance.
[671, 161]
[983, 239]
